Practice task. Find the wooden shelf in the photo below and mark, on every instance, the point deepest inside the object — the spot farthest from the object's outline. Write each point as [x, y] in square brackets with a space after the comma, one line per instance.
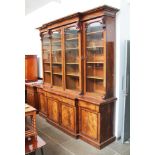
[95, 47]
[72, 39]
[47, 71]
[56, 50]
[72, 48]
[94, 62]
[95, 77]
[56, 63]
[57, 74]
[72, 63]
[90, 33]
[73, 74]
[56, 41]
[46, 62]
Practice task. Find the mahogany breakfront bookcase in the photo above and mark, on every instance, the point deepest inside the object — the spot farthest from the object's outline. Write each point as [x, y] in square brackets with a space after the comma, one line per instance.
[77, 94]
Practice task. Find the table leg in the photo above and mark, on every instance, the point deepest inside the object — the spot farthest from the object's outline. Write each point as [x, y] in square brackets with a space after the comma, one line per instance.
[42, 151]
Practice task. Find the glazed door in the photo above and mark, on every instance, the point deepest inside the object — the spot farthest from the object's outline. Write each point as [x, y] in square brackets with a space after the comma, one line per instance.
[46, 58]
[72, 58]
[56, 58]
[94, 42]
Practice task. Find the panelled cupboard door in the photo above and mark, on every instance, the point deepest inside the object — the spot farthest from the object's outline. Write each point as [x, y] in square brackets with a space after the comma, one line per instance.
[68, 116]
[72, 54]
[53, 111]
[89, 123]
[43, 103]
[30, 99]
[94, 62]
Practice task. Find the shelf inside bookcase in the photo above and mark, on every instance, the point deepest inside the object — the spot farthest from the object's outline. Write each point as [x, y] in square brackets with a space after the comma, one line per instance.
[56, 50]
[46, 62]
[72, 63]
[94, 32]
[56, 41]
[73, 74]
[95, 62]
[56, 63]
[76, 48]
[57, 74]
[47, 71]
[95, 77]
[70, 39]
[94, 47]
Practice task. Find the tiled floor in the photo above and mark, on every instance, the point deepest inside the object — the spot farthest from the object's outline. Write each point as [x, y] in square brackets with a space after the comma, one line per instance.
[59, 143]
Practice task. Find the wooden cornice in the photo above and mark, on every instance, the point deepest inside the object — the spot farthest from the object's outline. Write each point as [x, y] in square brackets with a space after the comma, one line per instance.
[107, 10]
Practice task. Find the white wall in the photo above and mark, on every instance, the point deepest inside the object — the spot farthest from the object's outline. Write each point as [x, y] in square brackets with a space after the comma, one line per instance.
[57, 9]
[122, 34]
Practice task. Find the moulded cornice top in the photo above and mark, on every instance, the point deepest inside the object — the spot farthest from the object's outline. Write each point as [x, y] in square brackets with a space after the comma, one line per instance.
[81, 14]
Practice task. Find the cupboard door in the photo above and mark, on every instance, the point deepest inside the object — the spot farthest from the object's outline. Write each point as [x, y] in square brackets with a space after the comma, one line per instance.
[43, 103]
[30, 99]
[53, 111]
[68, 116]
[72, 65]
[46, 58]
[89, 124]
[94, 53]
[56, 41]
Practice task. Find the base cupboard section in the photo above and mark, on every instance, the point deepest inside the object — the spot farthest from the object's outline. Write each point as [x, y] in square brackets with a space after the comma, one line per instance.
[62, 112]
[96, 123]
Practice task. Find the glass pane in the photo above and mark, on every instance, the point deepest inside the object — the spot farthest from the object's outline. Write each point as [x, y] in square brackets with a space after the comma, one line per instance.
[72, 58]
[47, 77]
[46, 48]
[95, 59]
[56, 58]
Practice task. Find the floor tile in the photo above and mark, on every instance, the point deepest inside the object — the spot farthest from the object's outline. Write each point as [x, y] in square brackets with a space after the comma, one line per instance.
[79, 147]
[119, 147]
[56, 136]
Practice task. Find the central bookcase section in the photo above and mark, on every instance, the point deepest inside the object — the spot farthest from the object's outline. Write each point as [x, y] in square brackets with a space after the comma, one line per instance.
[56, 41]
[72, 58]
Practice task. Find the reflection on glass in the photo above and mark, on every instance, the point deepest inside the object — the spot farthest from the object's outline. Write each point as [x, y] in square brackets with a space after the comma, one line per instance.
[72, 58]
[94, 63]
[56, 58]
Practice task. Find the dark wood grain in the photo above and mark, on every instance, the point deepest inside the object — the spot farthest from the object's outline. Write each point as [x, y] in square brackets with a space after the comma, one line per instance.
[31, 68]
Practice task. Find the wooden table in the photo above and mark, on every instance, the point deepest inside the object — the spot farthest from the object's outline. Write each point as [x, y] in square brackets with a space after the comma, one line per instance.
[30, 126]
[32, 144]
